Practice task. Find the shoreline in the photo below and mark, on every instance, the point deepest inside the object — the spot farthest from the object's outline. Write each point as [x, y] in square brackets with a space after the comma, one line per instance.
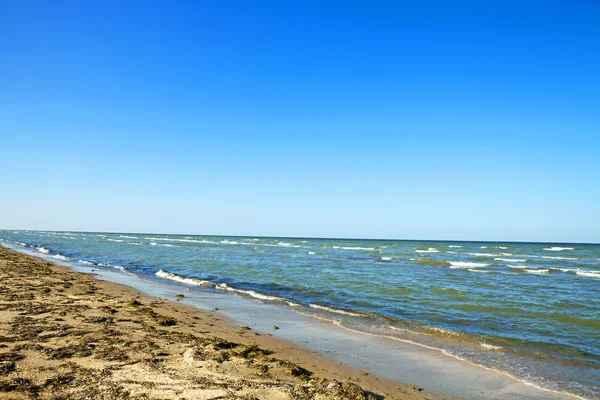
[63, 329]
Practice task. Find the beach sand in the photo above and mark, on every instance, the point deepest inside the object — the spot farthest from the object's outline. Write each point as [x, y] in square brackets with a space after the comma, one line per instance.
[65, 334]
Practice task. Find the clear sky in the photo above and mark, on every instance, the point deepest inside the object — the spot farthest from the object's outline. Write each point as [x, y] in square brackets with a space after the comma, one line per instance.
[409, 120]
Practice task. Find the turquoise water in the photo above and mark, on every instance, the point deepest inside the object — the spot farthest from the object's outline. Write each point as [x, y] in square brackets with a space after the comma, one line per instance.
[530, 309]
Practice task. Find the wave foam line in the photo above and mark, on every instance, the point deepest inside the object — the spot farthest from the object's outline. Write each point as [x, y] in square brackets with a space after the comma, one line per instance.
[353, 248]
[429, 250]
[489, 254]
[508, 259]
[464, 264]
[558, 248]
[222, 286]
[334, 310]
[530, 270]
[182, 240]
[189, 281]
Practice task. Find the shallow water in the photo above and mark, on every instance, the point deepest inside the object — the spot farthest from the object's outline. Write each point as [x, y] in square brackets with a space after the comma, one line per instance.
[532, 310]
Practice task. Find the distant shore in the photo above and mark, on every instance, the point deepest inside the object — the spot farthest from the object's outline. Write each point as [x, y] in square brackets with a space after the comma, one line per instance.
[64, 333]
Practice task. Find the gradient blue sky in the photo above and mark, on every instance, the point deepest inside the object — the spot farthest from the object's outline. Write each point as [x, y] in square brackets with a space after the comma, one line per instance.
[409, 120]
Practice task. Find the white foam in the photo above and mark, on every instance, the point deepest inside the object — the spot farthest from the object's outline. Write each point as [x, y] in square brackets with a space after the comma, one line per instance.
[464, 264]
[484, 247]
[509, 260]
[182, 240]
[61, 257]
[445, 332]
[285, 244]
[333, 310]
[115, 240]
[558, 248]
[311, 252]
[559, 258]
[221, 286]
[429, 250]
[478, 270]
[489, 254]
[537, 271]
[386, 258]
[490, 346]
[182, 279]
[229, 242]
[129, 237]
[503, 248]
[455, 246]
[591, 274]
[252, 293]
[85, 262]
[353, 248]
[519, 266]
[580, 272]
[43, 250]
[153, 244]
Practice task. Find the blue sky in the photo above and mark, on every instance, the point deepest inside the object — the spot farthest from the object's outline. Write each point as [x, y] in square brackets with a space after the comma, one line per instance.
[462, 120]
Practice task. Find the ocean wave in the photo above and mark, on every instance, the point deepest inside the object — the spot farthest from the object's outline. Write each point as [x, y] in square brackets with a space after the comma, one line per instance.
[581, 272]
[536, 271]
[252, 293]
[189, 281]
[455, 246]
[558, 258]
[591, 274]
[283, 244]
[61, 257]
[484, 247]
[86, 262]
[530, 270]
[429, 250]
[43, 250]
[490, 346]
[221, 286]
[182, 240]
[477, 270]
[489, 254]
[311, 252]
[443, 331]
[387, 258]
[353, 248]
[558, 248]
[334, 310]
[115, 240]
[465, 264]
[128, 237]
[509, 260]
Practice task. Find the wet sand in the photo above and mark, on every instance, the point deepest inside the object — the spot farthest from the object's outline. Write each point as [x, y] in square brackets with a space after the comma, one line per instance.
[65, 334]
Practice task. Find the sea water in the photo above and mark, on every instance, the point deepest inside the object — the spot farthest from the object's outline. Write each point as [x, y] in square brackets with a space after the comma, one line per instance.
[529, 309]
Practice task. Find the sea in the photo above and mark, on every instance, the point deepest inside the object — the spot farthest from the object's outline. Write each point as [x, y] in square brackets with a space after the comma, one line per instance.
[531, 310]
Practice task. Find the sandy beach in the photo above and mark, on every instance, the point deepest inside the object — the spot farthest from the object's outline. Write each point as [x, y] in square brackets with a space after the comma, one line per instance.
[65, 334]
